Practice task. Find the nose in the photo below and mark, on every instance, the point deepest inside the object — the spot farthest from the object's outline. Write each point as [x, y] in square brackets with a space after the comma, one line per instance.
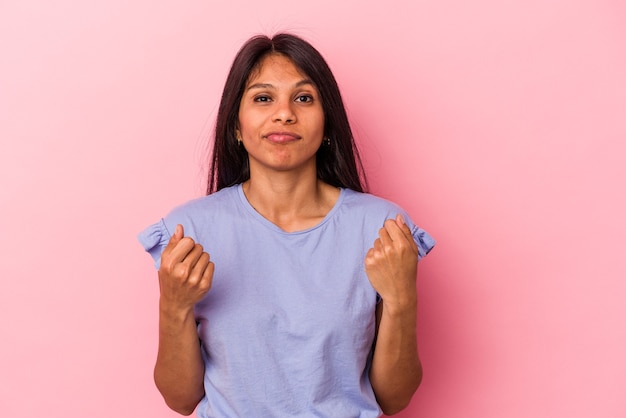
[284, 112]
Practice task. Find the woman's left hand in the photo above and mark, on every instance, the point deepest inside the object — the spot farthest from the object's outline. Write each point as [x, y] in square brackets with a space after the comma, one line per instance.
[391, 264]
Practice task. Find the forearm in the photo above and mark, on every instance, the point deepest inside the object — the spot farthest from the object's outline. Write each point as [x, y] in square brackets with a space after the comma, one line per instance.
[396, 371]
[179, 369]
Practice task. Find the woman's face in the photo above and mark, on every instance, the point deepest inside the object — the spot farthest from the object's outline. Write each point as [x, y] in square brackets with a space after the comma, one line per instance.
[281, 120]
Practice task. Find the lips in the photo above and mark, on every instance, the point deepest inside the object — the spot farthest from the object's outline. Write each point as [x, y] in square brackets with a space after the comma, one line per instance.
[282, 137]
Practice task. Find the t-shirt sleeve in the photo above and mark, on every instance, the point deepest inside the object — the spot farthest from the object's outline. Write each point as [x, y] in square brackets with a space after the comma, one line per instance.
[424, 241]
[154, 239]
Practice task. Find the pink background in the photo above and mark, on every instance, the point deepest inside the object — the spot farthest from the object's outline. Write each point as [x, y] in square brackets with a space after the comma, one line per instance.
[500, 126]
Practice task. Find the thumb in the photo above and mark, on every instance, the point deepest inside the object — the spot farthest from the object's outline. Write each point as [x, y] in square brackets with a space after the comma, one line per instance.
[407, 232]
[179, 233]
[401, 222]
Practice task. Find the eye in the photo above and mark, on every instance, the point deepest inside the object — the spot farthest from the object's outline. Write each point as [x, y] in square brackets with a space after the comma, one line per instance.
[304, 98]
[262, 99]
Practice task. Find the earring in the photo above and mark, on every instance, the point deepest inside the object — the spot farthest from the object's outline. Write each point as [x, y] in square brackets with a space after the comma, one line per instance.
[238, 140]
[326, 141]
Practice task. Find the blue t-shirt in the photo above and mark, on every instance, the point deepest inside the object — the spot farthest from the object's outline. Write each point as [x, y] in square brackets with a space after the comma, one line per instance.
[288, 325]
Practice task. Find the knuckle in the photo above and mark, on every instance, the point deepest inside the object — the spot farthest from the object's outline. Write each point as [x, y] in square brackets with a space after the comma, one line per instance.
[187, 241]
[181, 271]
[166, 265]
[203, 261]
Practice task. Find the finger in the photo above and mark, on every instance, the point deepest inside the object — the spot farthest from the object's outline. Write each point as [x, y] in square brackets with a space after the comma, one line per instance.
[203, 273]
[378, 246]
[398, 229]
[406, 231]
[369, 258]
[175, 238]
[182, 250]
[194, 256]
[199, 266]
[384, 237]
[179, 231]
[182, 268]
[177, 248]
[207, 276]
[403, 226]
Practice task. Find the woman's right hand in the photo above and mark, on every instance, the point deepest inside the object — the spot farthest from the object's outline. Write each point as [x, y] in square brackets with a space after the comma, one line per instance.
[186, 272]
[185, 276]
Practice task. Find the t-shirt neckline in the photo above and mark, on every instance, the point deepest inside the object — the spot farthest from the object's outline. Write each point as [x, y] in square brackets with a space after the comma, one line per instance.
[260, 218]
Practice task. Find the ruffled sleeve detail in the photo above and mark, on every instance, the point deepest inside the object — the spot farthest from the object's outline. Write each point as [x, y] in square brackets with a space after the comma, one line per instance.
[154, 239]
[424, 241]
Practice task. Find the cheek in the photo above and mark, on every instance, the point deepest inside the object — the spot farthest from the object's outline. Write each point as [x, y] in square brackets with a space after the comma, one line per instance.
[321, 120]
[320, 125]
[244, 126]
[315, 122]
[249, 122]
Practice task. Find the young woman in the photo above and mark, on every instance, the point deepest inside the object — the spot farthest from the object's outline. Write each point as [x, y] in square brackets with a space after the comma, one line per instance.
[287, 290]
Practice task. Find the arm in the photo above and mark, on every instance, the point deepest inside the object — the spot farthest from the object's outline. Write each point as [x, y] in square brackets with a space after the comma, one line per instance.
[391, 266]
[185, 277]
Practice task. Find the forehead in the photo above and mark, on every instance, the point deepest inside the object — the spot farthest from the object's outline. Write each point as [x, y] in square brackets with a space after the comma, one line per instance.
[275, 67]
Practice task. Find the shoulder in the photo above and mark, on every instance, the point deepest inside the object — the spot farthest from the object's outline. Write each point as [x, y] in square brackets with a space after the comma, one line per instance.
[373, 210]
[220, 200]
[205, 212]
[369, 203]
[364, 211]
[199, 217]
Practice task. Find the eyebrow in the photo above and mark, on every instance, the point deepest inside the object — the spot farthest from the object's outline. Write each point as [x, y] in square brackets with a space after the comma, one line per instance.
[300, 83]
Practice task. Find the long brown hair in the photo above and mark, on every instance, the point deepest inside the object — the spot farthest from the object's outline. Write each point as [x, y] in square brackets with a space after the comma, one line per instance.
[338, 163]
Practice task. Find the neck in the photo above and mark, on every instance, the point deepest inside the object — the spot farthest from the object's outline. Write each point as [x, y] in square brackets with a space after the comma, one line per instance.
[291, 202]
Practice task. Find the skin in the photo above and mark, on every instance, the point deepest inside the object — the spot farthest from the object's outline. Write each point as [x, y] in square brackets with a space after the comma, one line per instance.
[281, 124]
[185, 276]
[391, 266]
